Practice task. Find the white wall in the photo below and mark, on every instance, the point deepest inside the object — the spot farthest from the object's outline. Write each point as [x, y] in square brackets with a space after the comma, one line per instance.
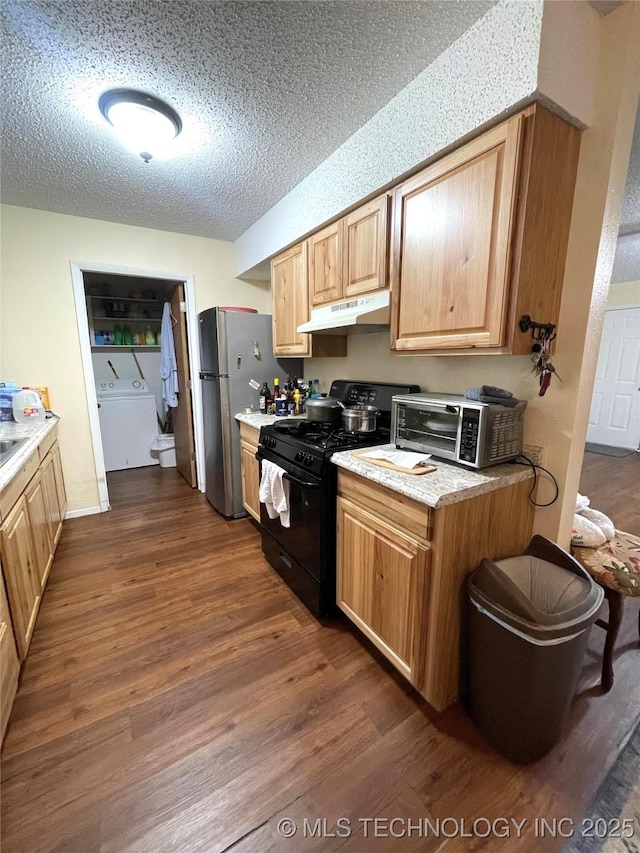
[39, 342]
[624, 293]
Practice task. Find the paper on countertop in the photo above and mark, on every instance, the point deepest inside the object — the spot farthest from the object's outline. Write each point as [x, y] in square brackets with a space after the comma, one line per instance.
[403, 458]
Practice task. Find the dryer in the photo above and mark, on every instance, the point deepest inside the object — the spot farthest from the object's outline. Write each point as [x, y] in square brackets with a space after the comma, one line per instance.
[128, 423]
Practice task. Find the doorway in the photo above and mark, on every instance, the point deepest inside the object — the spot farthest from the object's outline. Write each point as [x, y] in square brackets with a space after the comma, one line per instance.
[119, 313]
[614, 420]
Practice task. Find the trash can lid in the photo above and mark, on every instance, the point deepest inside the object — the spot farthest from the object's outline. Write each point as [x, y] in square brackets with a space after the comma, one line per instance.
[527, 589]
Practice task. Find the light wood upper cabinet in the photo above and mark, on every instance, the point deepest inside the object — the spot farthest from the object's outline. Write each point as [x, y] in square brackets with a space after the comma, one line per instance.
[350, 256]
[290, 295]
[381, 582]
[9, 663]
[453, 226]
[20, 569]
[366, 248]
[326, 264]
[479, 239]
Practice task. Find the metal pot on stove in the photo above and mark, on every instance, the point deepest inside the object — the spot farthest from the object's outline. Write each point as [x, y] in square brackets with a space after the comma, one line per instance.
[323, 410]
[360, 418]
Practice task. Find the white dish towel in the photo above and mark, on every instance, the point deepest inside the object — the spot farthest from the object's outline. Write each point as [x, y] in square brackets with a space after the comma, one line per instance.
[274, 492]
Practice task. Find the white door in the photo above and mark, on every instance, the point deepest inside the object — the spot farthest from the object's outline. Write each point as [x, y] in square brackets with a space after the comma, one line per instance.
[615, 406]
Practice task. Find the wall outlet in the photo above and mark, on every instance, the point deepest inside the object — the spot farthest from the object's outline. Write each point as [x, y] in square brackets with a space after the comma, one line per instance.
[534, 452]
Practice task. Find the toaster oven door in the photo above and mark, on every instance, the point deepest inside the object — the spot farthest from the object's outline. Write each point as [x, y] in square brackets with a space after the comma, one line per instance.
[429, 427]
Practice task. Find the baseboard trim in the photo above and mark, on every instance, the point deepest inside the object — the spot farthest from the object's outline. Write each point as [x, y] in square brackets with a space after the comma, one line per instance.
[77, 513]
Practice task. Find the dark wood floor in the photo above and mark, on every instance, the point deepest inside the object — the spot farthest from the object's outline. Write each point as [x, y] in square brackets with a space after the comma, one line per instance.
[178, 697]
[612, 484]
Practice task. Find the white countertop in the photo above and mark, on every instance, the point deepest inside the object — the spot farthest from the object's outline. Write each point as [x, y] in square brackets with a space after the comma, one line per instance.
[447, 485]
[257, 420]
[34, 433]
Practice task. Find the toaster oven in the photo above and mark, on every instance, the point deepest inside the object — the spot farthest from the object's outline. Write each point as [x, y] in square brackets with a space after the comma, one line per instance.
[451, 427]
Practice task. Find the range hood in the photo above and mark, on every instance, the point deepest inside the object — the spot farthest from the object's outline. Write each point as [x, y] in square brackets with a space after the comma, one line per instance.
[366, 313]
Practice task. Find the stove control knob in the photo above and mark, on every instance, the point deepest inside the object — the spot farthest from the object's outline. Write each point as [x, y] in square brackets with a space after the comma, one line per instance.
[308, 459]
[298, 456]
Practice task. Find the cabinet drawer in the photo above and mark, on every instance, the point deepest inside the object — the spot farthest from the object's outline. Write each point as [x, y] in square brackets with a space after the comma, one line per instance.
[47, 442]
[17, 485]
[249, 434]
[391, 507]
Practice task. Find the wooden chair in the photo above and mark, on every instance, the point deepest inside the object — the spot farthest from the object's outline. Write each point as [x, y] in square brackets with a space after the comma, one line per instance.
[616, 567]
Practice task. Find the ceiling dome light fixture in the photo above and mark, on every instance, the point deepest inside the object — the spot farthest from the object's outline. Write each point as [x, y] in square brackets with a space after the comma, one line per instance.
[144, 123]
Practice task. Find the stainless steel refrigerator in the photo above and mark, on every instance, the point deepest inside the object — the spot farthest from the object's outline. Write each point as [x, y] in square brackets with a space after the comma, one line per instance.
[235, 347]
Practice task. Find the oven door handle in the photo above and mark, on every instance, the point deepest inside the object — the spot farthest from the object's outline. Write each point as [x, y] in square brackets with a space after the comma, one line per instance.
[302, 483]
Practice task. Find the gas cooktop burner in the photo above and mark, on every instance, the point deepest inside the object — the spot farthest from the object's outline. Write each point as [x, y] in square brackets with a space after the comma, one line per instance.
[324, 436]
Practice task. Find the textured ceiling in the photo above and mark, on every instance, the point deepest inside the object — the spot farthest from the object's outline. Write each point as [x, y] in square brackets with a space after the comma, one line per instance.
[266, 92]
[630, 217]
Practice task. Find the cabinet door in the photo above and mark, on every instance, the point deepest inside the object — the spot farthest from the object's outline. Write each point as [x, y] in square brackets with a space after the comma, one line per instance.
[51, 498]
[326, 264]
[250, 479]
[62, 495]
[9, 663]
[381, 583]
[38, 512]
[366, 249]
[452, 235]
[20, 574]
[290, 294]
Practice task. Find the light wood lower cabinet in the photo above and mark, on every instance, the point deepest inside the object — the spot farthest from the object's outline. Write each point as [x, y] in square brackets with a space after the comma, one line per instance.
[402, 568]
[20, 569]
[32, 506]
[40, 523]
[381, 583]
[9, 662]
[249, 437]
[50, 480]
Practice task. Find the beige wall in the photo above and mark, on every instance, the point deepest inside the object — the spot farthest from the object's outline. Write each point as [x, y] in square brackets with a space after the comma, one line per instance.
[624, 293]
[38, 333]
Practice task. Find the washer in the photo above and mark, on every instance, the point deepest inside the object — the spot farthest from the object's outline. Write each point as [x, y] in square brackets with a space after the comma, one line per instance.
[128, 423]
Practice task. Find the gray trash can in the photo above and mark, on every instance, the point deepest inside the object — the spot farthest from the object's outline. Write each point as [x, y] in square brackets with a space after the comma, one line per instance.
[530, 619]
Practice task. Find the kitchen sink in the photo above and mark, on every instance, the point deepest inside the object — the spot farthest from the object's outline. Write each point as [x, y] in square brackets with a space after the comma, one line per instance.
[8, 447]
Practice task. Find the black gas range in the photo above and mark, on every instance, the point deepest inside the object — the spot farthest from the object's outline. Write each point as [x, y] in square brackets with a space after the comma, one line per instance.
[304, 554]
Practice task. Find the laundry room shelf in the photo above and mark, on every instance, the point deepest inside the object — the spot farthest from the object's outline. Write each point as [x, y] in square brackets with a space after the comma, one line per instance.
[129, 348]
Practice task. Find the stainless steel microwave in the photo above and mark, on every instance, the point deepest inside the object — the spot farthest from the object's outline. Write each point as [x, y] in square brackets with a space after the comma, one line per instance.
[451, 427]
